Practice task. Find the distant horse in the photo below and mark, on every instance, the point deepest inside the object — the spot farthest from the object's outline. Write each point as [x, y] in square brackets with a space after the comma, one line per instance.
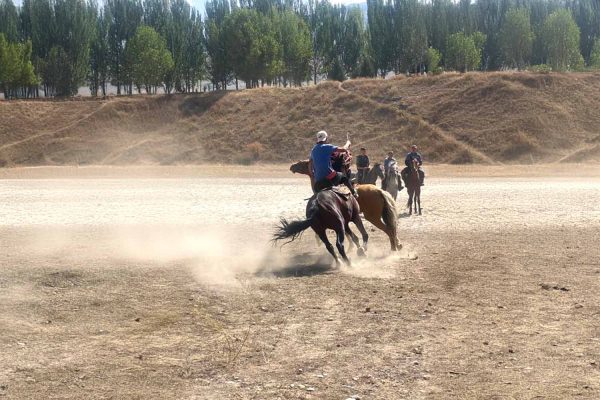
[413, 187]
[328, 210]
[377, 206]
[391, 180]
[372, 175]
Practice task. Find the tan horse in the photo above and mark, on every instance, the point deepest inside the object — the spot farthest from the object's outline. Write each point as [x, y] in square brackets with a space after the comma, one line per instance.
[378, 207]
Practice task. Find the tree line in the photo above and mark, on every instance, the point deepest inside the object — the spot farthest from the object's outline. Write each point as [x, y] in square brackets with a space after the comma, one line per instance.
[55, 46]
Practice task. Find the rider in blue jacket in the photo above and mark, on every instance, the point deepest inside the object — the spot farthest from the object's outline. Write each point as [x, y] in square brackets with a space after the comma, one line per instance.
[414, 155]
[320, 164]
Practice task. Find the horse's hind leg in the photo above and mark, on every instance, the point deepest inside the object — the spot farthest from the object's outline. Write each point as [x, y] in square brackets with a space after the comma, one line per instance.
[361, 228]
[340, 244]
[394, 243]
[418, 200]
[323, 236]
[349, 235]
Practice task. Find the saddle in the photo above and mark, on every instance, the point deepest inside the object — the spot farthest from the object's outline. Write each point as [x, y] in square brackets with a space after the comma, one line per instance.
[341, 190]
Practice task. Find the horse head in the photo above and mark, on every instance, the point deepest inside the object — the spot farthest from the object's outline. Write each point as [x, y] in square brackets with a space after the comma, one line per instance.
[378, 170]
[415, 165]
[300, 167]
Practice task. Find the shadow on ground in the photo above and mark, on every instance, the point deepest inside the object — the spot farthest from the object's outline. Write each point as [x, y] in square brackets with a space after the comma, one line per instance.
[305, 264]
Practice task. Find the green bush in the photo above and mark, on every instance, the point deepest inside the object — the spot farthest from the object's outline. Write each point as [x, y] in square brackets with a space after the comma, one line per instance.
[541, 68]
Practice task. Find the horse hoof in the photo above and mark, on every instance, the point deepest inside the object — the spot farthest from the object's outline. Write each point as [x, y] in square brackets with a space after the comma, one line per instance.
[361, 252]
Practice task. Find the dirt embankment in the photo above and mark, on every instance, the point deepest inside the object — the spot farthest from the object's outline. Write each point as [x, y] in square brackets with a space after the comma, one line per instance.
[485, 118]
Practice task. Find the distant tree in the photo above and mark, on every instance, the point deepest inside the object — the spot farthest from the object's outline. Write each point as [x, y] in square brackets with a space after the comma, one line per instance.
[560, 36]
[381, 35]
[148, 59]
[412, 42]
[337, 73]
[16, 70]
[9, 20]
[516, 38]
[595, 55]
[218, 65]
[366, 67]
[99, 57]
[464, 52]
[123, 17]
[296, 47]
[253, 50]
[184, 40]
[57, 72]
[432, 60]
[351, 38]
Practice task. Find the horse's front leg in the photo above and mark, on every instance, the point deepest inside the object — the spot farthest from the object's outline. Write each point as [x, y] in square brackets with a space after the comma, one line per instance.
[409, 204]
[418, 201]
[354, 239]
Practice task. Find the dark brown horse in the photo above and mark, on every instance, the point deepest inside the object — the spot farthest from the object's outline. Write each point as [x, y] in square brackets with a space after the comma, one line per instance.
[377, 206]
[413, 187]
[371, 176]
[328, 210]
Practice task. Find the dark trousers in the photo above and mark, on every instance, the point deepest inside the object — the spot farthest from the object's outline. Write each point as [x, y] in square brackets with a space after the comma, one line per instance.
[361, 175]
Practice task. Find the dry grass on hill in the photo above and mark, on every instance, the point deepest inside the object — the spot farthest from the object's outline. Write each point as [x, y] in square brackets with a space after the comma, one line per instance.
[486, 118]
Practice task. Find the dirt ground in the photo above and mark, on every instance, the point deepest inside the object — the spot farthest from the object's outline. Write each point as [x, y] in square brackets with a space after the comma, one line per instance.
[160, 282]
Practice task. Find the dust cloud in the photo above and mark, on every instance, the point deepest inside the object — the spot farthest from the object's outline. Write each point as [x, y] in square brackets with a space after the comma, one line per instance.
[215, 256]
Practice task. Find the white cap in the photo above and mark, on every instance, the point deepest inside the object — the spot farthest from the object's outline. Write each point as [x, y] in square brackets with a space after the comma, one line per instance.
[321, 136]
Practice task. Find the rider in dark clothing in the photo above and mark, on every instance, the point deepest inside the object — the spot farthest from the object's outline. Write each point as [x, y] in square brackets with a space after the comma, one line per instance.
[320, 165]
[362, 166]
[413, 155]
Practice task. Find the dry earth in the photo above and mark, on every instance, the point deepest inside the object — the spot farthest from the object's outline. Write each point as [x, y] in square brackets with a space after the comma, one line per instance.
[160, 283]
[487, 118]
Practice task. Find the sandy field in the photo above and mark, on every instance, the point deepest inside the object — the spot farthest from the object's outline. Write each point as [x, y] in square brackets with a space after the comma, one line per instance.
[161, 283]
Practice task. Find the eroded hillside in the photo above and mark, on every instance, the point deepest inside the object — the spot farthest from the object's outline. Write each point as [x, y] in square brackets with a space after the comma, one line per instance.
[487, 118]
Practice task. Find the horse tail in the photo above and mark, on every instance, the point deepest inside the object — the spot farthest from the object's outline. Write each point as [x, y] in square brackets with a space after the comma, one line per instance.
[390, 212]
[294, 229]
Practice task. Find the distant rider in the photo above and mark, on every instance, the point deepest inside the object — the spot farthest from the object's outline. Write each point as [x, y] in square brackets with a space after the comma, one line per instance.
[387, 163]
[362, 165]
[414, 155]
[320, 164]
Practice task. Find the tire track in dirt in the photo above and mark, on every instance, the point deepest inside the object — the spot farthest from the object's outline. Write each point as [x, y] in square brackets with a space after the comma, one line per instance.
[436, 129]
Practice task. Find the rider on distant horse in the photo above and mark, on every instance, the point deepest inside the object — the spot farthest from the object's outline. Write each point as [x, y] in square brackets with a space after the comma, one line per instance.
[413, 155]
[387, 163]
[320, 164]
[362, 166]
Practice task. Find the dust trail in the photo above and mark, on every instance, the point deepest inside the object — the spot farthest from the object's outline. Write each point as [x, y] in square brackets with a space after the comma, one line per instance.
[379, 263]
[214, 255]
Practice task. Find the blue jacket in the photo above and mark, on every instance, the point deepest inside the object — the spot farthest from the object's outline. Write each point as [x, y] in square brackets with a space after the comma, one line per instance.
[321, 158]
[413, 156]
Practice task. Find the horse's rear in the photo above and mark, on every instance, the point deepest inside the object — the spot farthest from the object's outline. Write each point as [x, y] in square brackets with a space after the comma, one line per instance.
[328, 210]
[379, 208]
[335, 211]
